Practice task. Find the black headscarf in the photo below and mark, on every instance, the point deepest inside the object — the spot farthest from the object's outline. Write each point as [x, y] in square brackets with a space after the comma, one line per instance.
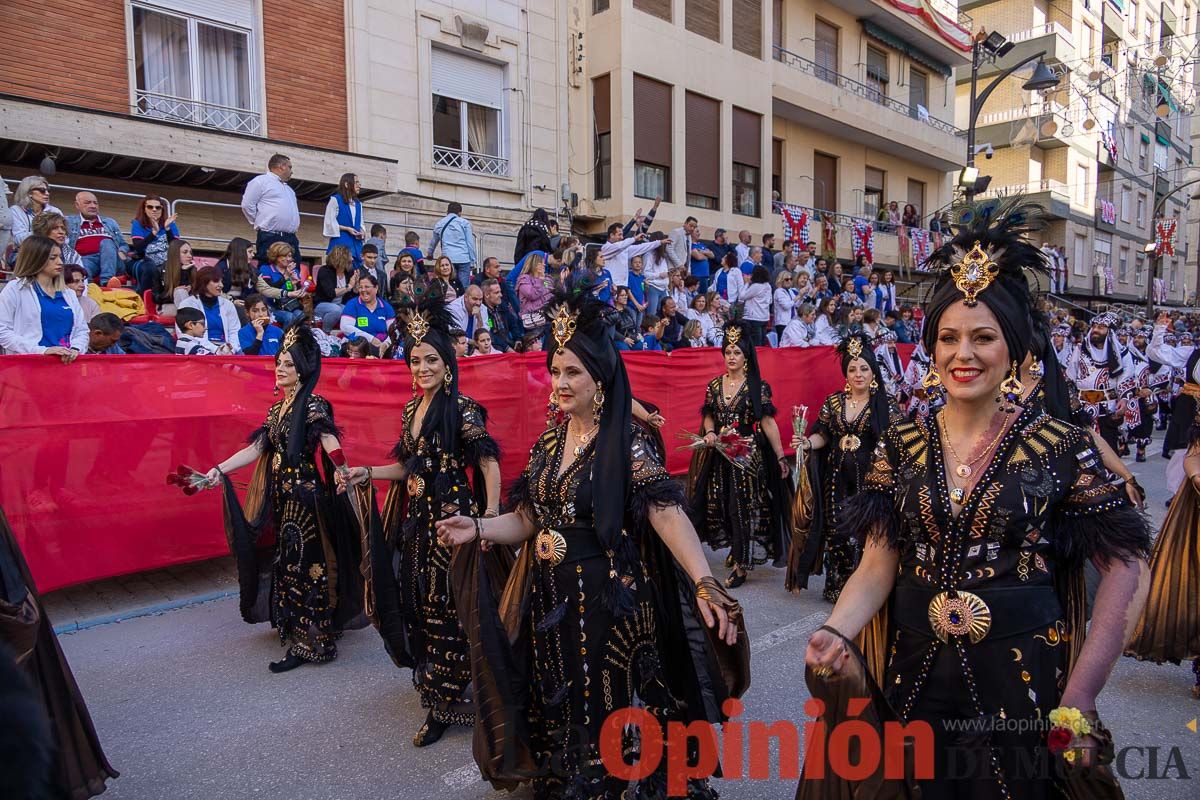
[848, 350]
[998, 232]
[580, 324]
[301, 345]
[738, 335]
[430, 324]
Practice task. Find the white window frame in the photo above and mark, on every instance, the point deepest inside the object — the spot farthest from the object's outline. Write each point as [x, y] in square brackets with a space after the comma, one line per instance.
[1123, 266]
[1126, 198]
[489, 165]
[255, 65]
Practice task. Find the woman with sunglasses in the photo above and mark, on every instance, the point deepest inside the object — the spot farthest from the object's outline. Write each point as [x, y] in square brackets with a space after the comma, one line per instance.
[31, 198]
[150, 235]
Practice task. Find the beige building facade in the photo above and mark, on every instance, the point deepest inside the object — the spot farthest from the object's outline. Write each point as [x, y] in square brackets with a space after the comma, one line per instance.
[1107, 148]
[722, 107]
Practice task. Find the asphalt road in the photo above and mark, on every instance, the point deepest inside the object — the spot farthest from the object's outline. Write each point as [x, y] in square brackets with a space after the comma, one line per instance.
[187, 710]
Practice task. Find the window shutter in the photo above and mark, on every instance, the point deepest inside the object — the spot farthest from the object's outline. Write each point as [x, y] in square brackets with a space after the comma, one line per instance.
[655, 8]
[465, 78]
[230, 12]
[747, 137]
[703, 145]
[602, 103]
[651, 121]
[703, 17]
[747, 27]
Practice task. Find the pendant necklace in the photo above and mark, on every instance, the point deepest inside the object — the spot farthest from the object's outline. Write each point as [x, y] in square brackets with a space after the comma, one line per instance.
[729, 397]
[965, 469]
[583, 441]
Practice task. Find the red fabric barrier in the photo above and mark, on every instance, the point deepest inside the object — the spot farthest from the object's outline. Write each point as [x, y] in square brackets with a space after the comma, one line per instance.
[85, 448]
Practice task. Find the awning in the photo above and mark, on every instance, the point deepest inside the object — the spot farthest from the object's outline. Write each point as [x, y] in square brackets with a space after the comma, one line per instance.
[1155, 84]
[881, 35]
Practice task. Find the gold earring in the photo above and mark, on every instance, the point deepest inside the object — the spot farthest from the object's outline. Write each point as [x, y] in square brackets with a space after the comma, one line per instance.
[932, 379]
[846, 388]
[415, 390]
[598, 402]
[1011, 390]
[874, 384]
[448, 380]
[276, 392]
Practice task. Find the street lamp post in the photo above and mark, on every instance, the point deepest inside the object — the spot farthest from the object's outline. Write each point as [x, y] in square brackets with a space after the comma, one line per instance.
[993, 46]
[1156, 256]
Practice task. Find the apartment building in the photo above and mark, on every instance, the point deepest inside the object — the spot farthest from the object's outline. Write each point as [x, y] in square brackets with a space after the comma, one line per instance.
[1107, 151]
[721, 107]
[425, 101]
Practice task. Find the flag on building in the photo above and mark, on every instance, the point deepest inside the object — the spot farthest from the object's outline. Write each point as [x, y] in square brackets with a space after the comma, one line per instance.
[828, 236]
[1164, 236]
[920, 245]
[795, 222]
[861, 241]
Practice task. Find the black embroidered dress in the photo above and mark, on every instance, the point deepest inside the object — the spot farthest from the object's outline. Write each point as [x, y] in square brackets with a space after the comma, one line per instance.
[1042, 508]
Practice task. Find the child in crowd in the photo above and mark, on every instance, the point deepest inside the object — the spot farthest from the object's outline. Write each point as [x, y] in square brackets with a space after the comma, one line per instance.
[637, 286]
[259, 337]
[193, 342]
[461, 342]
[652, 331]
[412, 246]
[483, 343]
[358, 348]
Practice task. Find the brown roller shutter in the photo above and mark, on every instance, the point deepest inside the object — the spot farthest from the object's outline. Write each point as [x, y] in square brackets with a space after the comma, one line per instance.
[655, 8]
[703, 143]
[747, 137]
[602, 103]
[703, 17]
[747, 27]
[651, 121]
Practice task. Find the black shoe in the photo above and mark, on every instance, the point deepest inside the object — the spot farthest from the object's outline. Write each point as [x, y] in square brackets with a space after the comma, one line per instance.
[1141, 458]
[291, 662]
[735, 579]
[429, 732]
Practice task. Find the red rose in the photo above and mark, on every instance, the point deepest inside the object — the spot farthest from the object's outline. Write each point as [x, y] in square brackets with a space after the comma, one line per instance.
[1058, 740]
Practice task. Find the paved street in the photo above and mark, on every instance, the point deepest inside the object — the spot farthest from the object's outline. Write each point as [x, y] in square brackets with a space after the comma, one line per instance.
[187, 710]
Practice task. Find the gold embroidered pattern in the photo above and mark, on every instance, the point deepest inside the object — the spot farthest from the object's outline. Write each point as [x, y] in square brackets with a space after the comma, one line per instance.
[974, 273]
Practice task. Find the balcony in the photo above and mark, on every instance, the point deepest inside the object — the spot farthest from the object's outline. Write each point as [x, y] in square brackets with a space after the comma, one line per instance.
[466, 161]
[1053, 37]
[949, 43]
[802, 94]
[193, 112]
[1008, 128]
[1052, 195]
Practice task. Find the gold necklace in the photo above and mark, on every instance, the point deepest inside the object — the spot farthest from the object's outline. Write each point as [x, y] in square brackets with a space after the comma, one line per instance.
[583, 440]
[964, 470]
[734, 393]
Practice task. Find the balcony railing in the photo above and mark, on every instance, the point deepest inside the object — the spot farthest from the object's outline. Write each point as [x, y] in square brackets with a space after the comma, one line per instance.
[470, 162]
[949, 10]
[1044, 185]
[863, 90]
[1050, 28]
[194, 112]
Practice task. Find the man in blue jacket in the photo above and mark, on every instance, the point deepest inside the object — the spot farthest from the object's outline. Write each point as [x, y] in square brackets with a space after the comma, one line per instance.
[454, 233]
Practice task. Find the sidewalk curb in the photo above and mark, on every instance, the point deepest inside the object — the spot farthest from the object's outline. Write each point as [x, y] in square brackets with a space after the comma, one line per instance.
[147, 611]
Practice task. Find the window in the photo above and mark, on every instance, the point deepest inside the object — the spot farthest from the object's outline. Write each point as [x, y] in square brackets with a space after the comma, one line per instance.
[873, 192]
[702, 122]
[703, 17]
[1123, 266]
[1133, 17]
[747, 27]
[1161, 158]
[1089, 41]
[777, 169]
[1174, 269]
[651, 138]
[1081, 184]
[1126, 195]
[196, 72]
[826, 46]
[599, 6]
[602, 111]
[916, 195]
[1141, 210]
[468, 108]
[1139, 274]
[877, 73]
[918, 92]
[655, 8]
[1143, 152]
[825, 183]
[1080, 258]
[747, 161]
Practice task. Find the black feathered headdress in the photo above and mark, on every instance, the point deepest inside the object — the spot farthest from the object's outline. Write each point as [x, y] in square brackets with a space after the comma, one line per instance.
[301, 345]
[857, 345]
[986, 262]
[430, 323]
[580, 323]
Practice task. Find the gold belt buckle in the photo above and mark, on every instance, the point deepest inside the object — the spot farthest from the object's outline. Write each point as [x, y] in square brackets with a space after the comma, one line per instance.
[850, 442]
[963, 615]
[550, 546]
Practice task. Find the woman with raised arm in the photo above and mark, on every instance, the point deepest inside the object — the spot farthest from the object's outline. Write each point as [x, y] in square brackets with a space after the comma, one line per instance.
[978, 522]
[602, 611]
[306, 584]
[443, 435]
[849, 424]
[740, 503]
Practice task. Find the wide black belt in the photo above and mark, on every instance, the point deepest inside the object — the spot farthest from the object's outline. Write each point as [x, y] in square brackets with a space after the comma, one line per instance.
[978, 614]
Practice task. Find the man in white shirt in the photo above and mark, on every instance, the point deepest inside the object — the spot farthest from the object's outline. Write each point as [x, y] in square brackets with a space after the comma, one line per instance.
[269, 205]
[743, 246]
[618, 250]
[469, 312]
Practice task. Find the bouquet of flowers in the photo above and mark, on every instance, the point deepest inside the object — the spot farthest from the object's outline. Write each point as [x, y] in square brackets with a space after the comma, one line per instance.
[734, 447]
[189, 480]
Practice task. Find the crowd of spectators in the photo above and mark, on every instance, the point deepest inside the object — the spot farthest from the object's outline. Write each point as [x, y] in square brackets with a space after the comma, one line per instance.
[669, 289]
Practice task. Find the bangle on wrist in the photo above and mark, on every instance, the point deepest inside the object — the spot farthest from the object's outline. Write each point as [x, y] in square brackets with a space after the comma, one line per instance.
[479, 528]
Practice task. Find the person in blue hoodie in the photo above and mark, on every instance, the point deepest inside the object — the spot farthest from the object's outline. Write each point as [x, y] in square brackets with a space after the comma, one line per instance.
[343, 219]
[259, 337]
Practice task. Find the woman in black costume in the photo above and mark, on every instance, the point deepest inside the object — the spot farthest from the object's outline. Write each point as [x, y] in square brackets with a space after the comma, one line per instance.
[741, 505]
[848, 427]
[443, 434]
[978, 524]
[597, 614]
[306, 582]
[75, 766]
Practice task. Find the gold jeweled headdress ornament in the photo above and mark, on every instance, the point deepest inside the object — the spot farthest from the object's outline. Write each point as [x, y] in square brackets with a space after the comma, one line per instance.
[290, 338]
[973, 273]
[562, 326]
[733, 335]
[418, 327]
[854, 347]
